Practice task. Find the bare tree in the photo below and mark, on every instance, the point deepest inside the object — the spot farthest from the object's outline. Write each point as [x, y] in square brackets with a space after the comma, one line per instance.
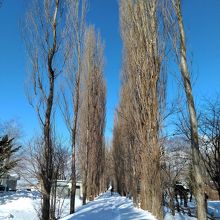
[92, 116]
[44, 30]
[61, 158]
[144, 46]
[176, 165]
[109, 167]
[31, 165]
[196, 156]
[209, 127]
[70, 110]
[125, 147]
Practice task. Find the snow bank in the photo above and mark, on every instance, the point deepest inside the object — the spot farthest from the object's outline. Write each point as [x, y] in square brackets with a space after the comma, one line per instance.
[24, 205]
[213, 210]
[19, 206]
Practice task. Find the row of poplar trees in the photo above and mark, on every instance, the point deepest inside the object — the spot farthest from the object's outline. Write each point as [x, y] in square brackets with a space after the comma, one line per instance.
[152, 33]
[66, 70]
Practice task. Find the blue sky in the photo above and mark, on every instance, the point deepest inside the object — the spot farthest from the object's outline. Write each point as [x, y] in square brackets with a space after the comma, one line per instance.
[202, 23]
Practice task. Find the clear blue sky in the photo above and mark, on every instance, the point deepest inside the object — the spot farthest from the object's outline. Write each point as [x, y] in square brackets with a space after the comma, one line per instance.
[202, 22]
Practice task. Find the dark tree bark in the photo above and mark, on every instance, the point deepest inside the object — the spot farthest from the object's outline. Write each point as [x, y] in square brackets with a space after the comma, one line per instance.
[43, 42]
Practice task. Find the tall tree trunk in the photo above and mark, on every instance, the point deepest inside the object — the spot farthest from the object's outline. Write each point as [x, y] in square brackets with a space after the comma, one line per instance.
[74, 131]
[48, 152]
[73, 177]
[76, 22]
[196, 159]
[46, 207]
[41, 43]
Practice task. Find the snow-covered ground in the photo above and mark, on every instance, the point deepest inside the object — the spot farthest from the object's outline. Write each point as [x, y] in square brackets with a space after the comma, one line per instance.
[120, 208]
[20, 205]
[110, 207]
[214, 208]
[24, 205]
[178, 216]
[213, 211]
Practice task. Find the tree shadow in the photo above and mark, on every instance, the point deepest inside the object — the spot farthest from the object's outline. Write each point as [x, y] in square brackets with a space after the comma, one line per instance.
[7, 197]
[109, 207]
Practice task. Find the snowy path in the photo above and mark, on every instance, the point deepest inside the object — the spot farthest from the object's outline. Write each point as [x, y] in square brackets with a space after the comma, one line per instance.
[110, 208]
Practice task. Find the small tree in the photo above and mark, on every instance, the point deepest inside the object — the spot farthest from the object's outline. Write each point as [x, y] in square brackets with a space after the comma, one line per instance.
[7, 150]
[176, 166]
[209, 127]
[33, 161]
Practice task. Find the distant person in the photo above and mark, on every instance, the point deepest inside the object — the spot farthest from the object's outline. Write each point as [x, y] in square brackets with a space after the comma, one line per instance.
[112, 190]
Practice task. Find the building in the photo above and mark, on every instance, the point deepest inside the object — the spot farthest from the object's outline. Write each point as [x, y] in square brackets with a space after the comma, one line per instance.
[63, 188]
[9, 182]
